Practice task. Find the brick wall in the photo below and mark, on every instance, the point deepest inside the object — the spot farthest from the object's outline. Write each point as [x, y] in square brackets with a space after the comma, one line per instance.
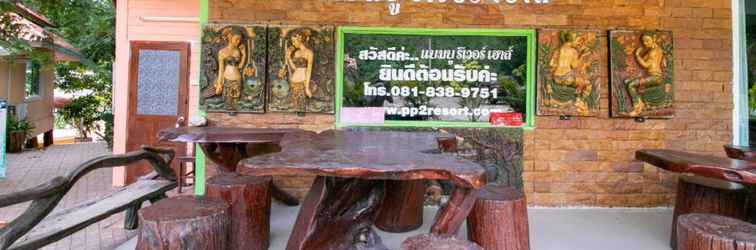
[584, 161]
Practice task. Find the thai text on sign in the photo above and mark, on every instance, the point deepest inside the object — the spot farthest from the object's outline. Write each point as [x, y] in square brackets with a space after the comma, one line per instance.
[434, 76]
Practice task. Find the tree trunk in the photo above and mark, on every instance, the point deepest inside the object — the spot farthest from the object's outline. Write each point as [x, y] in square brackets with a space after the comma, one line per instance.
[714, 232]
[337, 214]
[451, 216]
[402, 207]
[434, 242]
[184, 222]
[705, 195]
[249, 199]
[499, 219]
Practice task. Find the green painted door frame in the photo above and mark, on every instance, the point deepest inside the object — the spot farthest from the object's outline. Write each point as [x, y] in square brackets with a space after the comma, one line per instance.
[199, 167]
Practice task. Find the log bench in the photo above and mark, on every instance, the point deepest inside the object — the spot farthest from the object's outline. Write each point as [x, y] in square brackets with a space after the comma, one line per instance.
[745, 153]
[34, 228]
[718, 193]
[697, 194]
[714, 232]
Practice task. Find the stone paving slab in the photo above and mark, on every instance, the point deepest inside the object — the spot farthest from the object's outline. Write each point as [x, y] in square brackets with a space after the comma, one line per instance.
[34, 167]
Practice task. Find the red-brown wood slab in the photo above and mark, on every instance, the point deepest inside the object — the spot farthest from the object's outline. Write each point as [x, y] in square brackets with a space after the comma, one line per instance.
[704, 165]
[224, 135]
[366, 155]
[227, 146]
[741, 152]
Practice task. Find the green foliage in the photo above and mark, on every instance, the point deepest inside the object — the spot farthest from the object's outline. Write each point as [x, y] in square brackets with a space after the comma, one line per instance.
[82, 113]
[514, 94]
[14, 124]
[752, 99]
[89, 25]
[10, 39]
[106, 133]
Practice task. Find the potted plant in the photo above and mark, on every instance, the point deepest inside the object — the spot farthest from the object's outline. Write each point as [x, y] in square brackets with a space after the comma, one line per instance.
[17, 133]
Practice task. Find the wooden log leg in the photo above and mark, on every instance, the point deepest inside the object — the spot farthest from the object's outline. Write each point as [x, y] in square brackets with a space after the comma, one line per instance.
[249, 199]
[499, 219]
[337, 214]
[402, 211]
[694, 197]
[228, 155]
[713, 232]
[131, 219]
[453, 214]
[184, 222]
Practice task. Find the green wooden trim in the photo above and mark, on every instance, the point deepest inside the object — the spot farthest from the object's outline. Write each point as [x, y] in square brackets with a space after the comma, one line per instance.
[204, 10]
[199, 163]
[530, 68]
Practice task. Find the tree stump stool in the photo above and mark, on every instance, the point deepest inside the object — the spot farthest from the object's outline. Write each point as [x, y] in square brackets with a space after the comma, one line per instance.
[435, 242]
[447, 143]
[249, 201]
[696, 194]
[499, 219]
[184, 222]
[402, 206]
[714, 232]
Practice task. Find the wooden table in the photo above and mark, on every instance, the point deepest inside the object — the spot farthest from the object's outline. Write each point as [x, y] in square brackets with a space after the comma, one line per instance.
[722, 168]
[227, 146]
[352, 167]
[745, 153]
[706, 196]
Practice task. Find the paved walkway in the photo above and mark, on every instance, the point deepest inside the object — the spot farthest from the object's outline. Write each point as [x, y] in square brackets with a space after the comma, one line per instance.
[31, 168]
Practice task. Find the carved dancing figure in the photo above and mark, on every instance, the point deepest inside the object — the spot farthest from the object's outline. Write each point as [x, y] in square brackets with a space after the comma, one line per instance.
[567, 69]
[231, 60]
[652, 64]
[298, 62]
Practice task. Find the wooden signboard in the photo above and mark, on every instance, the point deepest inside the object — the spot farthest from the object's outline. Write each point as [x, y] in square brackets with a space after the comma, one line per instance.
[435, 77]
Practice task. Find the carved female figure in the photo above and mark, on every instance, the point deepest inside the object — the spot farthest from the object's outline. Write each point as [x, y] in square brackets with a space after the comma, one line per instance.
[231, 60]
[567, 69]
[298, 62]
[652, 63]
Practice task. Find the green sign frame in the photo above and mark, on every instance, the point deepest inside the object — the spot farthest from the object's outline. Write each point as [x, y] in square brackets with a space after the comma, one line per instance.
[530, 34]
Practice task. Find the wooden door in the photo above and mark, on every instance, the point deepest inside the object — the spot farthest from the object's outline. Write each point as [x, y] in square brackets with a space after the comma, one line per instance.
[158, 96]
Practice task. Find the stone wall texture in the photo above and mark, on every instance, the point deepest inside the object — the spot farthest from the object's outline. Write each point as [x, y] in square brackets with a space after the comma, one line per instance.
[578, 162]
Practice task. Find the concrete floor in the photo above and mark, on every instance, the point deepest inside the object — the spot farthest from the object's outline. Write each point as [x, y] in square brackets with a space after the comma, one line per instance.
[550, 229]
